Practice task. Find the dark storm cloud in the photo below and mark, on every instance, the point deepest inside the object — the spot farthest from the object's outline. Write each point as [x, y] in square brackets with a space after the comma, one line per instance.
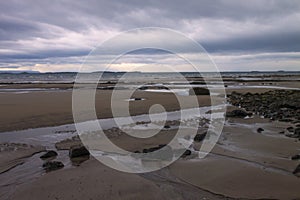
[34, 29]
[272, 42]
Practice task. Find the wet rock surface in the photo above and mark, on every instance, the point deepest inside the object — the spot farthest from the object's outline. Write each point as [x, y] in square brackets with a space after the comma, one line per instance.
[49, 154]
[199, 137]
[282, 105]
[52, 165]
[238, 113]
[78, 151]
[199, 91]
[297, 171]
[260, 130]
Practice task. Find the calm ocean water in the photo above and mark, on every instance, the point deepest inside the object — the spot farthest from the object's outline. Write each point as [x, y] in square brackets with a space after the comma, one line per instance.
[69, 77]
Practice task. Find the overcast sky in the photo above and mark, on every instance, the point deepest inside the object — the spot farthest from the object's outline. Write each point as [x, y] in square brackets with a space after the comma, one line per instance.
[238, 35]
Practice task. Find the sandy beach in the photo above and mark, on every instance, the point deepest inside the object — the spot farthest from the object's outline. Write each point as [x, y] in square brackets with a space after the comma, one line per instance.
[244, 164]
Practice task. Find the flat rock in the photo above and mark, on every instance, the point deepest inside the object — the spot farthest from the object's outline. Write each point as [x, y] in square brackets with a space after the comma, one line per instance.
[78, 151]
[238, 113]
[199, 91]
[52, 165]
[49, 154]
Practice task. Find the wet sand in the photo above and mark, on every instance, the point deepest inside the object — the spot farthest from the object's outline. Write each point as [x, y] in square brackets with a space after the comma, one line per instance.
[12, 154]
[244, 164]
[51, 108]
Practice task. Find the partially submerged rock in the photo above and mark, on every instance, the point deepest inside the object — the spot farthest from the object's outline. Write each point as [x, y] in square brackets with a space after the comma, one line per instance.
[49, 154]
[238, 113]
[199, 91]
[259, 130]
[186, 153]
[52, 165]
[199, 137]
[297, 170]
[78, 151]
[295, 157]
[152, 149]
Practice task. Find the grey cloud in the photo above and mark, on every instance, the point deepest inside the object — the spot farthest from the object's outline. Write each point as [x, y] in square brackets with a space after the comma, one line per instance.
[31, 20]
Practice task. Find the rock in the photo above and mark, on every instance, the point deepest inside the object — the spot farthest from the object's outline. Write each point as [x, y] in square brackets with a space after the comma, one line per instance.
[282, 105]
[49, 154]
[295, 157]
[290, 129]
[292, 135]
[297, 131]
[238, 113]
[200, 137]
[199, 91]
[162, 152]
[78, 151]
[152, 149]
[167, 126]
[259, 130]
[52, 165]
[186, 153]
[297, 170]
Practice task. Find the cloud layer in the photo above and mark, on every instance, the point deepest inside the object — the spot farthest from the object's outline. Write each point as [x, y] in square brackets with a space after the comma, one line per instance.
[239, 35]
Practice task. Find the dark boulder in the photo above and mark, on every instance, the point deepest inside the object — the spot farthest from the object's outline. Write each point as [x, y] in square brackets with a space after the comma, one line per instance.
[78, 151]
[259, 130]
[49, 154]
[200, 137]
[290, 129]
[52, 165]
[186, 153]
[167, 126]
[297, 170]
[295, 157]
[238, 113]
[297, 131]
[199, 91]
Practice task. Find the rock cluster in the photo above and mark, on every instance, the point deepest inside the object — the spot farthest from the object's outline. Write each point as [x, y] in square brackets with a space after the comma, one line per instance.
[282, 105]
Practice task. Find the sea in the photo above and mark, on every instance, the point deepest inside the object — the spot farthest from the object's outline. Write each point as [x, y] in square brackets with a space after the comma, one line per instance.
[69, 77]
